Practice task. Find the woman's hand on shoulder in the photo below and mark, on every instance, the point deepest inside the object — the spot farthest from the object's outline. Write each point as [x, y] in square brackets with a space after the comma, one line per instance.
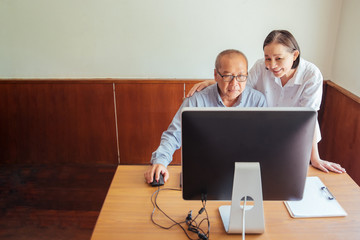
[200, 86]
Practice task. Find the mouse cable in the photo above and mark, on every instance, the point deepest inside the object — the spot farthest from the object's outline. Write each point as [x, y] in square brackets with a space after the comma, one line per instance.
[193, 228]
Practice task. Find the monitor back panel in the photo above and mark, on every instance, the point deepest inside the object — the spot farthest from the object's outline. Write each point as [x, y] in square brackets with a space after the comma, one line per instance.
[213, 140]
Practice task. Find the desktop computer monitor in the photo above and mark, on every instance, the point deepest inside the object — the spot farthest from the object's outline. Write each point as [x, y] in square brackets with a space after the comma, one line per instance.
[242, 154]
[213, 139]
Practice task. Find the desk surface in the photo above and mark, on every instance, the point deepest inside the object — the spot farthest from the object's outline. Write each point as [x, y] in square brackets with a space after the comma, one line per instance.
[127, 208]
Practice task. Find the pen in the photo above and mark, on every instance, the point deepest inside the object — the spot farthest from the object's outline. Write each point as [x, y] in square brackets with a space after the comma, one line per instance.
[327, 191]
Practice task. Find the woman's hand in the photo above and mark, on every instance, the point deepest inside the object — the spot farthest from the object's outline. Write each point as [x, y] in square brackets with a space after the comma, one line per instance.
[327, 166]
[323, 165]
[200, 86]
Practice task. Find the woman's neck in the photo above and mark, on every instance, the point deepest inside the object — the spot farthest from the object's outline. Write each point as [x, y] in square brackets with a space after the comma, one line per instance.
[285, 79]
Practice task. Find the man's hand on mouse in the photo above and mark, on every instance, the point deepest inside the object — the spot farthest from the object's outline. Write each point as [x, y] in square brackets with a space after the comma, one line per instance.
[156, 169]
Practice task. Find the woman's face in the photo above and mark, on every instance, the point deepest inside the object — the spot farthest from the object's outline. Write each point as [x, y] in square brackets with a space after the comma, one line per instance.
[279, 60]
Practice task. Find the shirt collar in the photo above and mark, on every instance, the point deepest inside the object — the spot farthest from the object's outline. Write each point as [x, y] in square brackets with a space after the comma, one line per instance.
[220, 101]
[296, 79]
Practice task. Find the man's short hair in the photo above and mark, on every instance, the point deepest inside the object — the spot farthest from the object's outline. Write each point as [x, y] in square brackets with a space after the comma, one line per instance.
[228, 52]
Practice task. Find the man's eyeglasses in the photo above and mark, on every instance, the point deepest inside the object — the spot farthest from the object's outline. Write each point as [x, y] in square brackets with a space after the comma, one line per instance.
[229, 78]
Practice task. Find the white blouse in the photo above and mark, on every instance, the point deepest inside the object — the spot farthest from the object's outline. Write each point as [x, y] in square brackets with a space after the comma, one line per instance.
[304, 89]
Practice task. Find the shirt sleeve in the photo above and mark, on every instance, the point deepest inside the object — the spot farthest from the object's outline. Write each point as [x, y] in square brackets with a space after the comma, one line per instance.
[262, 102]
[254, 73]
[170, 139]
[312, 93]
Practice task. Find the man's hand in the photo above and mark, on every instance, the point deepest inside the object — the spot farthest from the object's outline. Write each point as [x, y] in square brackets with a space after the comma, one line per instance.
[156, 169]
[200, 86]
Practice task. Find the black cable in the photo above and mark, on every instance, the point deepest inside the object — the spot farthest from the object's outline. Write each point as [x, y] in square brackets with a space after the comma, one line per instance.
[154, 202]
[194, 227]
[192, 224]
[156, 206]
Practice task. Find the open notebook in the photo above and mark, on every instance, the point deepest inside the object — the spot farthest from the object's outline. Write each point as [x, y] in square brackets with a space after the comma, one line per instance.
[317, 202]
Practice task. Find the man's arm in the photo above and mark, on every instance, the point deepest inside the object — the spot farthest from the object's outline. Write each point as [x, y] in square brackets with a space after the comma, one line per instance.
[170, 142]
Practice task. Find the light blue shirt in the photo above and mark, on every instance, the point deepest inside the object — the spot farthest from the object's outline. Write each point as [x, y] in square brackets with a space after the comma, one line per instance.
[209, 97]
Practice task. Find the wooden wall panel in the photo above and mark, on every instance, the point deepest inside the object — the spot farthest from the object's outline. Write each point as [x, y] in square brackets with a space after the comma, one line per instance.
[57, 122]
[144, 111]
[340, 129]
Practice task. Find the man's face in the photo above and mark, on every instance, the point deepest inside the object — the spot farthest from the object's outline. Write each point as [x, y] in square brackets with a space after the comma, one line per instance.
[232, 64]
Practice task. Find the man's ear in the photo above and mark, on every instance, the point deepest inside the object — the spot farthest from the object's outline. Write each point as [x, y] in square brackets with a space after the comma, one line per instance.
[216, 77]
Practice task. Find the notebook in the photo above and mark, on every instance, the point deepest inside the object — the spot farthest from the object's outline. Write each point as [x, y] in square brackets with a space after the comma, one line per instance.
[317, 202]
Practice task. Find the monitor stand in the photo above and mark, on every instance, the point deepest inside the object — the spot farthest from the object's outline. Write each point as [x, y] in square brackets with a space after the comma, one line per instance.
[246, 185]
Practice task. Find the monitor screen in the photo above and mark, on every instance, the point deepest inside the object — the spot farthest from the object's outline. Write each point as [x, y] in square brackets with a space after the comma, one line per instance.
[213, 139]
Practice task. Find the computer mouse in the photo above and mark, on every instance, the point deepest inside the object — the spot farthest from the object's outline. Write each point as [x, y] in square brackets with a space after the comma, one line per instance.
[154, 183]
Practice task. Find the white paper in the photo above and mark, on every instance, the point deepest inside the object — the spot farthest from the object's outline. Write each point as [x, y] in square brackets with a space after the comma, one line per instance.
[315, 202]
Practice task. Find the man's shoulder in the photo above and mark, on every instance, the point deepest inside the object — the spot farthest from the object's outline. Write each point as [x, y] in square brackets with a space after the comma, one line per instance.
[204, 98]
[253, 92]
[255, 98]
[206, 92]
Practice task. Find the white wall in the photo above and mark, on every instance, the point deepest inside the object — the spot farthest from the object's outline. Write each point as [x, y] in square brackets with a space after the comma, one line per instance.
[347, 52]
[153, 38]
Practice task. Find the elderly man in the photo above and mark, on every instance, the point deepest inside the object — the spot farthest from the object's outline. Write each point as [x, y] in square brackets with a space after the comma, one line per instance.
[230, 73]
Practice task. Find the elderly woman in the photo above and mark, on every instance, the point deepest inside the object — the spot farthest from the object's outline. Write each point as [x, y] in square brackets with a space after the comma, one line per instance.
[287, 80]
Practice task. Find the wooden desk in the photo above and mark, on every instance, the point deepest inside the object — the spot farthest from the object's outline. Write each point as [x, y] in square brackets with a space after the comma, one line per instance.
[127, 208]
